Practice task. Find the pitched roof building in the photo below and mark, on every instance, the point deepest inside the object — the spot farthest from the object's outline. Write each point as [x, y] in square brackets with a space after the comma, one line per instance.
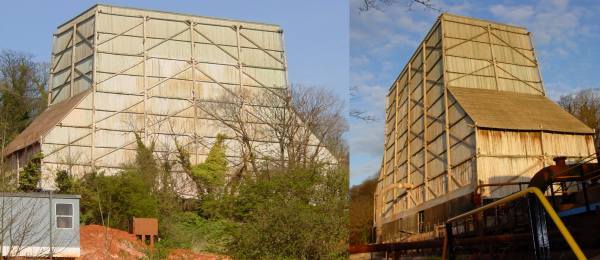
[469, 108]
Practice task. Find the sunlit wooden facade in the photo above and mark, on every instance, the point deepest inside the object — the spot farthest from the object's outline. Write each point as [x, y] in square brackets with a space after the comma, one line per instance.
[116, 71]
[468, 109]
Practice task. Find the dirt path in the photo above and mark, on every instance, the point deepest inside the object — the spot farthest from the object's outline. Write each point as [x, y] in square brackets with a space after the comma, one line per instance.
[98, 242]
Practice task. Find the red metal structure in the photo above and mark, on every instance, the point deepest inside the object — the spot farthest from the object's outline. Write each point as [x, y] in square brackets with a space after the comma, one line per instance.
[146, 229]
[560, 221]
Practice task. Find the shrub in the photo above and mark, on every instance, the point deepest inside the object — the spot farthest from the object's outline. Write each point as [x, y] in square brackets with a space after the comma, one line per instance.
[64, 182]
[298, 214]
[30, 176]
[115, 200]
[210, 175]
[188, 230]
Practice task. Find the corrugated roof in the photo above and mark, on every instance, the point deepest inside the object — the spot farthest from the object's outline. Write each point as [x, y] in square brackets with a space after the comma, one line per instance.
[516, 111]
[44, 122]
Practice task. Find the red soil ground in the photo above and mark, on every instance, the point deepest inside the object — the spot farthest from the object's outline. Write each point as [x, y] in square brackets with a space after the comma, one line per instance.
[98, 242]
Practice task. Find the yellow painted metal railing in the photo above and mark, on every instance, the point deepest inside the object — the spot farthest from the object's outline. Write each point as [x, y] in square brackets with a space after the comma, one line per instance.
[551, 212]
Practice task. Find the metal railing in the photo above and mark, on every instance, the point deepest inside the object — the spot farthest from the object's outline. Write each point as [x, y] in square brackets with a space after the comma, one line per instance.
[448, 240]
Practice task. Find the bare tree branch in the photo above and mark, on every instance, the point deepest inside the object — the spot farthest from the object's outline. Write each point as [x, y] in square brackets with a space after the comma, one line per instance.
[380, 4]
[357, 113]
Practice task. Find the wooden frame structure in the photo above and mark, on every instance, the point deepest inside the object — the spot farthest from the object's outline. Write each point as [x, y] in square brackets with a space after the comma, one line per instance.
[453, 122]
[117, 72]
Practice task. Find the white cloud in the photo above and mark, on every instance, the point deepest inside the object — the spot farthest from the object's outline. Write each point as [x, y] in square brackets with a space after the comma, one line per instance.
[555, 4]
[381, 41]
[359, 61]
[361, 77]
[406, 22]
[366, 139]
[371, 98]
[554, 23]
[464, 7]
[364, 170]
[514, 14]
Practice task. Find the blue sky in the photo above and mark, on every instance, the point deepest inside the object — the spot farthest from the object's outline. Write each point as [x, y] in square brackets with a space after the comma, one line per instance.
[316, 32]
[565, 35]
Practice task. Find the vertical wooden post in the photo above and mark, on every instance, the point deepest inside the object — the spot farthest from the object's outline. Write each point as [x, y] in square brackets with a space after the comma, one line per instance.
[542, 149]
[530, 35]
[193, 63]
[73, 59]
[474, 177]
[424, 103]
[449, 177]
[239, 57]
[284, 57]
[94, 87]
[51, 80]
[385, 156]
[489, 33]
[408, 132]
[396, 106]
[145, 76]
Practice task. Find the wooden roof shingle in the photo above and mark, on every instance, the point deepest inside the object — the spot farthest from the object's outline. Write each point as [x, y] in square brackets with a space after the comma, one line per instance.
[516, 111]
[43, 123]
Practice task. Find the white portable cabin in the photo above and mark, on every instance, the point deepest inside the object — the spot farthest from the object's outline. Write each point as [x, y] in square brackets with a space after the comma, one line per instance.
[39, 225]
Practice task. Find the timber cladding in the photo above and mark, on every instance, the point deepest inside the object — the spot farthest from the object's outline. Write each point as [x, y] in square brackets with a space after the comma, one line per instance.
[427, 221]
[468, 108]
[119, 71]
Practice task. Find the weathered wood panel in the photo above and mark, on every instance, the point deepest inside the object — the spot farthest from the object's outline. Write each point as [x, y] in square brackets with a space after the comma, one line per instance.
[510, 156]
[144, 73]
[488, 55]
[434, 149]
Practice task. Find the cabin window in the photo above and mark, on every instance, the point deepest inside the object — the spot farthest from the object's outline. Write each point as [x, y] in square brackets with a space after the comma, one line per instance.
[64, 215]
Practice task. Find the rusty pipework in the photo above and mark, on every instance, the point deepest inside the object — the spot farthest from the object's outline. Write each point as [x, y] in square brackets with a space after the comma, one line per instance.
[561, 172]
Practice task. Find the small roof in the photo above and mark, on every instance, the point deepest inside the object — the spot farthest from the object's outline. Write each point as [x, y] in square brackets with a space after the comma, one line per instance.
[44, 122]
[39, 195]
[516, 111]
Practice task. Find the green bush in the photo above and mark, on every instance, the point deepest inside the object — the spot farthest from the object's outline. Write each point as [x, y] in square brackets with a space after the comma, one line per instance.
[296, 214]
[64, 182]
[115, 200]
[210, 175]
[277, 214]
[30, 176]
[188, 230]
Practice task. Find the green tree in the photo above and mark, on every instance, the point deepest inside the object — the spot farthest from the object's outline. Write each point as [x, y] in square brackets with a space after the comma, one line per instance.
[210, 175]
[22, 91]
[361, 211]
[145, 163]
[64, 181]
[30, 176]
[585, 105]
